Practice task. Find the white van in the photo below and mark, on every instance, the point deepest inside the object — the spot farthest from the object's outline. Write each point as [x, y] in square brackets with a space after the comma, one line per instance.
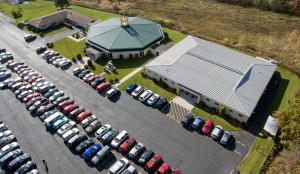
[53, 118]
[119, 139]
[68, 135]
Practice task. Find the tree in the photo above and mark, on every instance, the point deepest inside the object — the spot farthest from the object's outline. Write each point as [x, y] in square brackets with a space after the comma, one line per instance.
[61, 3]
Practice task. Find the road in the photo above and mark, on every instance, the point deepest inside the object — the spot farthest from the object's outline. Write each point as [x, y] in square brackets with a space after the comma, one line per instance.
[189, 151]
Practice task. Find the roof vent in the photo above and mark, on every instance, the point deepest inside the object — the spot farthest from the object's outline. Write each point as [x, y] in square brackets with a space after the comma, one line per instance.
[124, 21]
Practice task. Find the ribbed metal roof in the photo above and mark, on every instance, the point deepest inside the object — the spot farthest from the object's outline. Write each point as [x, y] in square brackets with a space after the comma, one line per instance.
[233, 79]
[138, 35]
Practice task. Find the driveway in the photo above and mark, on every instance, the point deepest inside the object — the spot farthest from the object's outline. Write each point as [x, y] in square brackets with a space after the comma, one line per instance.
[62, 35]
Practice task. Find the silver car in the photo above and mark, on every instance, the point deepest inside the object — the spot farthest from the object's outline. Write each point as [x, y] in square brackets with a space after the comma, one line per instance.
[136, 150]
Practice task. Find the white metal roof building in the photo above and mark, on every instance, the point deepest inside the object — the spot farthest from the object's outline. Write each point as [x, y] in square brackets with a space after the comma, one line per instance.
[219, 76]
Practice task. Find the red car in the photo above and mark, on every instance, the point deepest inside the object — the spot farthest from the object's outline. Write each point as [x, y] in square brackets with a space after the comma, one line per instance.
[83, 115]
[177, 171]
[153, 163]
[32, 101]
[65, 103]
[34, 78]
[30, 96]
[70, 108]
[91, 79]
[207, 127]
[126, 145]
[103, 86]
[164, 168]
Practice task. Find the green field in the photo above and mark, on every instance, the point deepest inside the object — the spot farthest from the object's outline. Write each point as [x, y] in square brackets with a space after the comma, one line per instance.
[147, 83]
[75, 48]
[95, 13]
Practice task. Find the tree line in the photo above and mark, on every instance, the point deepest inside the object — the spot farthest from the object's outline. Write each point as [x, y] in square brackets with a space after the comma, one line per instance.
[281, 6]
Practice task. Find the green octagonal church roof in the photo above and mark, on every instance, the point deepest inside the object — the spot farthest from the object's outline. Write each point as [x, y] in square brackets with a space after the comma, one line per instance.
[137, 34]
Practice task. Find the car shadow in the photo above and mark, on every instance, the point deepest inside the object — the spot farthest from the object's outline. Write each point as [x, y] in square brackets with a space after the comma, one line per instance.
[232, 144]
[51, 131]
[106, 164]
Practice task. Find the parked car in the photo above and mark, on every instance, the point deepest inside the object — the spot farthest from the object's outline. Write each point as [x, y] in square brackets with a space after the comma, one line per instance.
[131, 87]
[103, 86]
[119, 139]
[70, 108]
[17, 162]
[9, 147]
[97, 82]
[91, 78]
[112, 92]
[136, 150]
[88, 121]
[153, 163]
[64, 63]
[76, 139]
[130, 170]
[65, 103]
[126, 145]
[34, 78]
[164, 168]
[40, 80]
[119, 166]
[54, 58]
[145, 95]
[24, 94]
[101, 155]
[44, 109]
[69, 134]
[59, 123]
[161, 103]
[197, 123]
[86, 77]
[50, 92]
[226, 138]
[83, 115]
[137, 91]
[84, 145]
[66, 127]
[57, 61]
[32, 101]
[6, 140]
[77, 71]
[56, 95]
[153, 99]
[109, 136]
[30, 96]
[217, 131]
[47, 114]
[146, 156]
[33, 171]
[83, 73]
[3, 127]
[40, 50]
[187, 120]
[9, 157]
[91, 151]
[177, 171]
[93, 127]
[103, 130]
[37, 104]
[26, 167]
[207, 127]
[29, 37]
[234, 171]
[5, 133]
[73, 114]
[60, 99]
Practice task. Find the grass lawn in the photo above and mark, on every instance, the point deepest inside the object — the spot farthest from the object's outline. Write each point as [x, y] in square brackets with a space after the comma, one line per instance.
[216, 119]
[256, 157]
[147, 83]
[174, 36]
[94, 13]
[286, 91]
[75, 48]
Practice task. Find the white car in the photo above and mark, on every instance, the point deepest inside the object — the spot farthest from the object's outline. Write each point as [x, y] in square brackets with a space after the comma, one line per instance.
[84, 123]
[103, 130]
[40, 80]
[119, 166]
[119, 139]
[56, 62]
[85, 78]
[64, 63]
[145, 95]
[66, 127]
[56, 95]
[34, 73]
[153, 99]
[136, 150]
[66, 136]
[110, 93]
[5, 133]
[24, 94]
[138, 90]
[216, 132]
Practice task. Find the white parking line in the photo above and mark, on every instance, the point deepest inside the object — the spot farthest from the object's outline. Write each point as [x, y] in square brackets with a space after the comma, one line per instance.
[237, 152]
[241, 143]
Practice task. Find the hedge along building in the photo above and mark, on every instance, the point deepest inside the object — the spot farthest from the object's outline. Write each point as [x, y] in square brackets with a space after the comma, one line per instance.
[123, 37]
[216, 75]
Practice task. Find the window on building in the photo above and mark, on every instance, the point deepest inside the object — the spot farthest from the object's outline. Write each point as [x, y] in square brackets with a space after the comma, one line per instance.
[207, 99]
[217, 104]
[230, 110]
[240, 115]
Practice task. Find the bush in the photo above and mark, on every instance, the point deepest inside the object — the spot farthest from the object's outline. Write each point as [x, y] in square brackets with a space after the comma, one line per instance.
[137, 55]
[222, 111]
[130, 56]
[41, 34]
[111, 80]
[86, 66]
[16, 14]
[79, 57]
[49, 45]
[74, 59]
[90, 63]
[116, 80]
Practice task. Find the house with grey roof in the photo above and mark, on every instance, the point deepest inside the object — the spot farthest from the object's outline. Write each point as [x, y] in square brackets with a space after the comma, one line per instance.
[124, 37]
[216, 75]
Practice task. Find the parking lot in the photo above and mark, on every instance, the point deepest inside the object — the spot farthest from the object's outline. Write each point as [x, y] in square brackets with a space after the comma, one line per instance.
[187, 150]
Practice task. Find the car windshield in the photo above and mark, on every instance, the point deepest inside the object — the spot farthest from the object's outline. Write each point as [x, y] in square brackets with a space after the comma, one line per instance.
[116, 140]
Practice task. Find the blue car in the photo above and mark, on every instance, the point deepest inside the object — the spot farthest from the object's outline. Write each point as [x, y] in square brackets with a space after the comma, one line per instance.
[197, 122]
[91, 151]
[131, 87]
[50, 92]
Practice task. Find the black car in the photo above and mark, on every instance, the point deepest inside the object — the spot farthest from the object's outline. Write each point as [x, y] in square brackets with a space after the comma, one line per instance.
[9, 157]
[60, 99]
[40, 50]
[26, 167]
[147, 155]
[77, 71]
[161, 103]
[47, 114]
[97, 81]
[2, 50]
[84, 145]
[6, 140]
[73, 114]
[83, 73]
[17, 162]
[44, 109]
[76, 139]
[187, 120]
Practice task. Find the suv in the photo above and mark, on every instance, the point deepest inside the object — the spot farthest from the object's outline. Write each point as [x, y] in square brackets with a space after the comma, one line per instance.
[93, 127]
[187, 120]
[109, 136]
[29, 37]
[145, 95]
[104, 152]
[76, 139]
[138, 90]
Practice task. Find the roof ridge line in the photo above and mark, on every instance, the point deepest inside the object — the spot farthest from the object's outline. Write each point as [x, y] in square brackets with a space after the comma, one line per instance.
[115, 38]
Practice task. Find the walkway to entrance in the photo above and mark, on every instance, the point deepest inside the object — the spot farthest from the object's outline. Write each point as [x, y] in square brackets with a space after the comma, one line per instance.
[185, 100]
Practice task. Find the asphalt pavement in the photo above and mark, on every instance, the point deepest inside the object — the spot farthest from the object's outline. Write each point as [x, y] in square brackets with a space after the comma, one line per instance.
[188, 150]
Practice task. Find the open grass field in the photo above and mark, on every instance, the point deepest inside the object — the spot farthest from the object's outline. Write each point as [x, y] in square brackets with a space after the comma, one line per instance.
[256, 157]
[147, 83]
[69, 48]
